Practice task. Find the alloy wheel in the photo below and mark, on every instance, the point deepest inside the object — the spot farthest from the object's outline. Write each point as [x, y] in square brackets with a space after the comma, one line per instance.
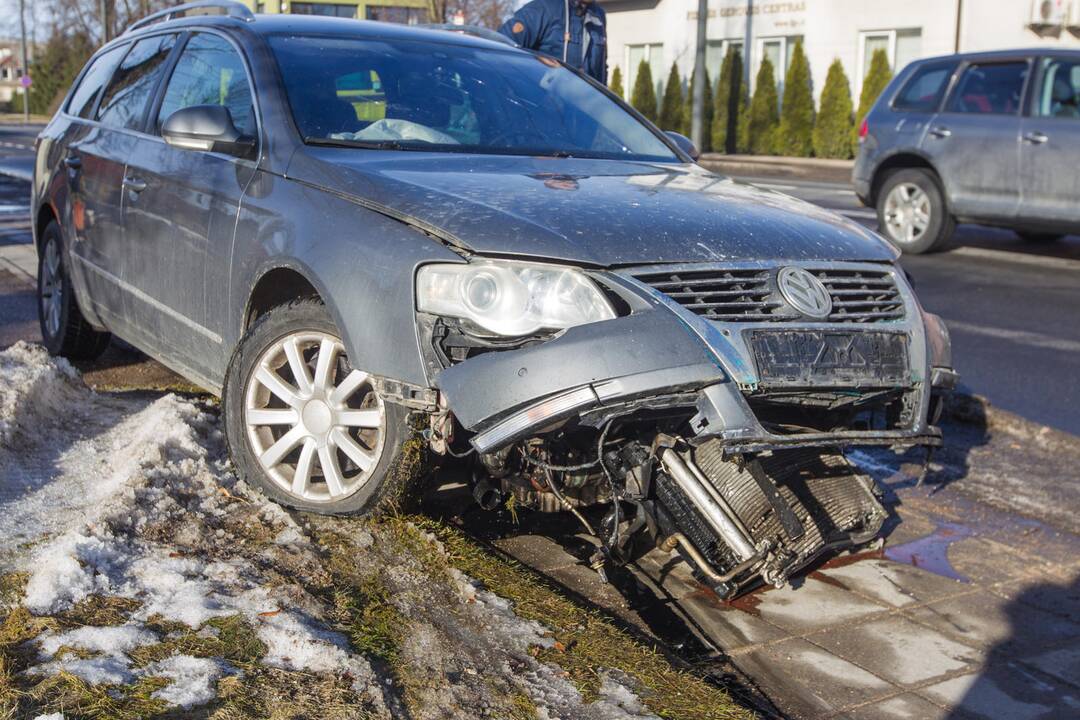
[52, 288]
[315, 424]
[907, 213]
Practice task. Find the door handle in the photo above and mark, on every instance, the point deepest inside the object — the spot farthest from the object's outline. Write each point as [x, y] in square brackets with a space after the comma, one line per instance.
[1036, 138]
[940, 132]
[134, 184]
[73, 162]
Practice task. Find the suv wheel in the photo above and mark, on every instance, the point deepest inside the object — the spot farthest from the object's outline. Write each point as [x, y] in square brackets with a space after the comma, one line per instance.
[912, 213]
[64, 330]
[305, 426]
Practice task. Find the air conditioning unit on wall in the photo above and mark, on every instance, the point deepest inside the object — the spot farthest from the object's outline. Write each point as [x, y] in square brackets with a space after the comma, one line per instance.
[1048, 13]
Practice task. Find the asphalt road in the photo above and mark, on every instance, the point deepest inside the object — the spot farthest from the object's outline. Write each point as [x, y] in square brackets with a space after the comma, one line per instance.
[1012, 307]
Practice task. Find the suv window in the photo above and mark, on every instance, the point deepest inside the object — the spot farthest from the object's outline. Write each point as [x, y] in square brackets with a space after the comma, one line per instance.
[1060, 92]
[210, 72]
[990, 89]
[93, 82]
[923, 90]
[134, 82]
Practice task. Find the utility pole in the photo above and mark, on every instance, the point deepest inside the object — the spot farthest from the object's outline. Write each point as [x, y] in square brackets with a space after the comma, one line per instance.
[103, 9]
[748, 38]
[697, 116]
[959, 24]
[25, 61]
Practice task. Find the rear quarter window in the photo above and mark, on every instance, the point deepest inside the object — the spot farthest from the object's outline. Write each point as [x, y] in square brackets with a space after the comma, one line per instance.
[93, 82]
[923, 91]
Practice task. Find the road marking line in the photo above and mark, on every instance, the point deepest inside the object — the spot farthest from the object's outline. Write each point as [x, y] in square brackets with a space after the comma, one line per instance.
[1019, 258]
[1022, 337]
[866, 214]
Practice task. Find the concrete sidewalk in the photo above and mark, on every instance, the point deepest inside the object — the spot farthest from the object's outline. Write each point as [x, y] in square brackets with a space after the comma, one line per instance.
[837, 171]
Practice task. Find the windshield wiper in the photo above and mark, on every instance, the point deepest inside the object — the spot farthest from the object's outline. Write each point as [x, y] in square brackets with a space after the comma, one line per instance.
[362, 144]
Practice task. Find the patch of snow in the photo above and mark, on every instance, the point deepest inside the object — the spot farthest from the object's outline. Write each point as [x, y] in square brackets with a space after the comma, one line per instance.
[110, 640]
[192, 680]
[52, 716]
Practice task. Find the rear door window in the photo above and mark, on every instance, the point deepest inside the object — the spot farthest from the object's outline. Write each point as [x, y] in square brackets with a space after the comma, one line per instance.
[134, 82]
[210, 72]
[990, 89]
[93, 82]
[923, 91]
[1059, 92]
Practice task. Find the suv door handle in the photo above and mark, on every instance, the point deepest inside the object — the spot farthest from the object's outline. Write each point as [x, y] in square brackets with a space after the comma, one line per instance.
[73, 162]
[134, 184]
[940, 131]
[1036, 138]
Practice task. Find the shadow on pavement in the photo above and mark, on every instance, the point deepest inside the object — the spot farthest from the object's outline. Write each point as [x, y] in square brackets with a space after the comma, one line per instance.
[1016, 680]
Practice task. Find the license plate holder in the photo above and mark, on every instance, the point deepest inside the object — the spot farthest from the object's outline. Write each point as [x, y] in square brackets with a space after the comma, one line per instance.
[830, 357]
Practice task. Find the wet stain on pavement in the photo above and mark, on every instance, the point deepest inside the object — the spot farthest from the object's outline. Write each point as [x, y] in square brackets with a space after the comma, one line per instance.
[931, 553]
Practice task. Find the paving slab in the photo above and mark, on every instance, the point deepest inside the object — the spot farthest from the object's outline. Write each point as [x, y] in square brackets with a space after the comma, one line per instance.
[812, 682]
[893, 583]
[1003, 694]
[536, 551]
[985, 620]
[1055, 597]
[1063, 663]
[899, 650]
[812, 606]
[901, 707]
[986, 562]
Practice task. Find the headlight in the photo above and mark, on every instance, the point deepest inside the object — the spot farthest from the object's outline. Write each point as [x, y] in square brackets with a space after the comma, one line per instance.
[511, 298]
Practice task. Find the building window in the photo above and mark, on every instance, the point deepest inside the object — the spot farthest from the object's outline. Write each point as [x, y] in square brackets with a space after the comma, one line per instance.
[397, 14]
[653, 54]
[901, 47]
[332, 10]
[715, 52]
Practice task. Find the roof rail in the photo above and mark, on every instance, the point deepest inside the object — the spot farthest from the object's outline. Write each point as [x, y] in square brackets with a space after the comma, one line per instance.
[233, 9]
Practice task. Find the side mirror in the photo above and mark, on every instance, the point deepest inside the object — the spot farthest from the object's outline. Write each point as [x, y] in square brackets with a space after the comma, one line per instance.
[206, 127]
[684, 144]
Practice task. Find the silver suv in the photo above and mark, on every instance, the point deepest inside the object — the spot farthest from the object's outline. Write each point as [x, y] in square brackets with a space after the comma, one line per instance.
[990, 138]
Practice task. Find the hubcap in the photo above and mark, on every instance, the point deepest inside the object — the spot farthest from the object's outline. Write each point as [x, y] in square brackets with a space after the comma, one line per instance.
[315, 424]
[52, 288]
[907, 213]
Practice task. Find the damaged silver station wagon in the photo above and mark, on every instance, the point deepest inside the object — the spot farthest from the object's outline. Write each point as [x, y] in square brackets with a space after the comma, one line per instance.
[360, 233]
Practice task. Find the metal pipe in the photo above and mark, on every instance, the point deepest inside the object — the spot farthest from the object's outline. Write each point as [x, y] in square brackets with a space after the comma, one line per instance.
[697, 92]
[676, 539]
[721, 522]
[25, 61]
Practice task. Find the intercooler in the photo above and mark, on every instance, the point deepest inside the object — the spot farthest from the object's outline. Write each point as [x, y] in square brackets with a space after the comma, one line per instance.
[783, 508]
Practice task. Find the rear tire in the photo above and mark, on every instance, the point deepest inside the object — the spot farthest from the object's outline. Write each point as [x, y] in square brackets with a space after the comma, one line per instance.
[64, 330]
[912, 213]
[314, 435]
[1039, 237]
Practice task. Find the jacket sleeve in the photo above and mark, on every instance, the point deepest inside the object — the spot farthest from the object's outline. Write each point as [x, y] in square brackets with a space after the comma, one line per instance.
[527, 26]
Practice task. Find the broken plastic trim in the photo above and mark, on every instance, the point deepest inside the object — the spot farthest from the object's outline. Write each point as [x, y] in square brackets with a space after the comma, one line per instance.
[549, 410]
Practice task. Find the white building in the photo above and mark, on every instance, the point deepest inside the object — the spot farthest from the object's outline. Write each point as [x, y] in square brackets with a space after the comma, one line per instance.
[665, 31]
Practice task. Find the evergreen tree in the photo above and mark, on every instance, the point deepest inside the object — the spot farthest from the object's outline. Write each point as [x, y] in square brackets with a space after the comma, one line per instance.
[832, 132]
[795, 135]
[763, 117]
[877, 77]
[729, 101]
[671, 107]
[616, 82]
[54, 70]
[643, 97]
[688, 113]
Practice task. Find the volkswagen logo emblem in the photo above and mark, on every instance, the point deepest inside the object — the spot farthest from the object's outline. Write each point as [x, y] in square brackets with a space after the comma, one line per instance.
[804, 292]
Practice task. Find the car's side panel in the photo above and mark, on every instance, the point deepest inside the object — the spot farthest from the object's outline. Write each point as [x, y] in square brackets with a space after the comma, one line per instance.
[362, 264]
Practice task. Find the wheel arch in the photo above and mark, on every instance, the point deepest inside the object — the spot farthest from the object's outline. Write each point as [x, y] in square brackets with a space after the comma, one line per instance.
[45, 214]
[905, 160]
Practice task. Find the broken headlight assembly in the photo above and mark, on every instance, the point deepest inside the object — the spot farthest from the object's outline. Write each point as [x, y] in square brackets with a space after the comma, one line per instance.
[511, 299]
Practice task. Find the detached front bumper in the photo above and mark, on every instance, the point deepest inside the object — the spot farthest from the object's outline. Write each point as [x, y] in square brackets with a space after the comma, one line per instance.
[665, 357]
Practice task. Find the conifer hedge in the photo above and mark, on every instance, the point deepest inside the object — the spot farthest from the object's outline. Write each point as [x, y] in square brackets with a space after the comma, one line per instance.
[616, 83]
[763, 117]
[643, 97]
[832, 131]
[688, 113]
[794, 136]
[729, 103]
[671, 107]
[877, 77]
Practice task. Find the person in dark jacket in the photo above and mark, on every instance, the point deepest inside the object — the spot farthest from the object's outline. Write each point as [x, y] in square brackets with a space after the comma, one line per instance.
[574, 31]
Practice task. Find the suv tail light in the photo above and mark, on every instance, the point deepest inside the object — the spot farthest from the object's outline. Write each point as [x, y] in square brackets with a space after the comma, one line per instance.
[864, 129]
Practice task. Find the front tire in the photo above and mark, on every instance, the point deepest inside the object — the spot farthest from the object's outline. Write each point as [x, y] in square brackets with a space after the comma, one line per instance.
[306, 427]
[64, 330]
[912, 212]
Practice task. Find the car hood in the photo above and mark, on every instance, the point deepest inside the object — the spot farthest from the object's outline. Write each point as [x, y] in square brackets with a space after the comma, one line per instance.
[596, 212]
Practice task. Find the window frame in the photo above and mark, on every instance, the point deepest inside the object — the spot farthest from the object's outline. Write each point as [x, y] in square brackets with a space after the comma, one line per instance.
[946, 90]
[631, 73]
[140, 129]
[1035, 95]
[65, 105]
[861, 60]
[1024, 106]
[154, 108]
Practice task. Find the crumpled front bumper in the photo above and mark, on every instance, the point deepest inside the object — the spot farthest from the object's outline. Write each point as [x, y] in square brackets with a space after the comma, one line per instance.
[664, 356]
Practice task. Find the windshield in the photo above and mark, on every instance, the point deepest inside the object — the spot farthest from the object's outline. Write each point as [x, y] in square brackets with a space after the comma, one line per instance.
[449, 98]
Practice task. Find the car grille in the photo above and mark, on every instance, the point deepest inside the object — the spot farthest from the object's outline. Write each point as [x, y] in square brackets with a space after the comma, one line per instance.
[751, 295]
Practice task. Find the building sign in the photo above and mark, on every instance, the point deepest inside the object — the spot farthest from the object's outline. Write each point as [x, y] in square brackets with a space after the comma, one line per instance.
[771, 9]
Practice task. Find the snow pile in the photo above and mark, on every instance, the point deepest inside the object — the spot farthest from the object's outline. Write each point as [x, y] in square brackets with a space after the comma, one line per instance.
[36, 391]
[192, 679]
